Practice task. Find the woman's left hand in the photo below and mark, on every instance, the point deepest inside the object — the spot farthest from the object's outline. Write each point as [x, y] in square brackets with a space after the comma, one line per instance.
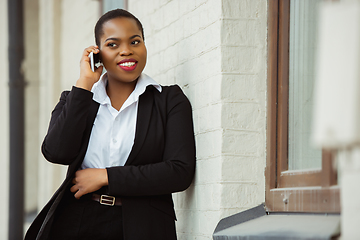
[89, 180]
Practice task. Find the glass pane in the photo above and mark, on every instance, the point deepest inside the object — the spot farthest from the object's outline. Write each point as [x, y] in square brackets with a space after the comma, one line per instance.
[112, 4]
[302, 43]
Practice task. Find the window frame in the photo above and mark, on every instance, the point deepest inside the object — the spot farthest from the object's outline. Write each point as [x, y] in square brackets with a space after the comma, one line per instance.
[290, 191]
[101, 9]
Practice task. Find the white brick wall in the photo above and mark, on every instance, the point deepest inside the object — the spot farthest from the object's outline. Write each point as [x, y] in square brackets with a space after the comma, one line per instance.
[216, 51]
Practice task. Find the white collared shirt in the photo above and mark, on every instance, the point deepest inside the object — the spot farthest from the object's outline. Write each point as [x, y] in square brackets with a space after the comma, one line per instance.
[113, 133]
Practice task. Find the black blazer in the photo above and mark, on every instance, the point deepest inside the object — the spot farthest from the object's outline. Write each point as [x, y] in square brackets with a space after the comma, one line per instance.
[162, 160]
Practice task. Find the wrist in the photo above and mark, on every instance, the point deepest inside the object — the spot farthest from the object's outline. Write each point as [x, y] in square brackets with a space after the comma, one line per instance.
[105, 180]
[85, 84]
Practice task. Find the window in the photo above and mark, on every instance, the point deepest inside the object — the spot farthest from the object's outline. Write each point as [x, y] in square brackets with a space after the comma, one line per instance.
[298, 177]
[107, 5]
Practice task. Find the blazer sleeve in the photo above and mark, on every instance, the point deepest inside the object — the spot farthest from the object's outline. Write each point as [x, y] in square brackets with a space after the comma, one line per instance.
[66, 129]
[176, 170]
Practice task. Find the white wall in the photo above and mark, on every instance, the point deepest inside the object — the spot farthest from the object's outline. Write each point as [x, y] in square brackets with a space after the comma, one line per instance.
[31, 76]
[216, 51]
[4, 120]
[66, 29]
[243, 93]
[78, 20]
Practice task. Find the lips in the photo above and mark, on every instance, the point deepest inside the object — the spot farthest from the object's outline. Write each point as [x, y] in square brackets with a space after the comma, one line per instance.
[128, 64]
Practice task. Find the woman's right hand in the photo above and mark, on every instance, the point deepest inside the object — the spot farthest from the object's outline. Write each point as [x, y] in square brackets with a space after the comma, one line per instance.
[87, 77]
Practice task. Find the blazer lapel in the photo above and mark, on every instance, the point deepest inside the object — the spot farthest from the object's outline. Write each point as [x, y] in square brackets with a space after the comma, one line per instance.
[142, 123]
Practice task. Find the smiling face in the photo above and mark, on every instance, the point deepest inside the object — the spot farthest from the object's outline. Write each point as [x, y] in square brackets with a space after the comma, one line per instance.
[122, 49]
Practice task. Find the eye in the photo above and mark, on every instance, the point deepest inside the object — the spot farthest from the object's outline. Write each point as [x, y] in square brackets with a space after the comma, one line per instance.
[135, 42]
[111, 44]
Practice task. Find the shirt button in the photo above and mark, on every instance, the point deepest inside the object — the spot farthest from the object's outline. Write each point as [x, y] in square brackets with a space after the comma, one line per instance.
[114, 140]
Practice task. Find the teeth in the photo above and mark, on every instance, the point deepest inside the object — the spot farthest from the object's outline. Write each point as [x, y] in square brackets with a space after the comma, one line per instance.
[127, 64]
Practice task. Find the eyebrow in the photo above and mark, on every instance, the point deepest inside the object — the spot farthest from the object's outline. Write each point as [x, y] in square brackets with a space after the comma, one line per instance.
[117, 39]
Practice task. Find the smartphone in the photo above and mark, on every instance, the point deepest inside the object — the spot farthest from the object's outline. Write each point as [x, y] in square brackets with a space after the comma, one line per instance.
[94, 60]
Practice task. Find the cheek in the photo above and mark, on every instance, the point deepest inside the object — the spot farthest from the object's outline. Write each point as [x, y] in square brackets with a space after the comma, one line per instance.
[144, 54]
[105, 57]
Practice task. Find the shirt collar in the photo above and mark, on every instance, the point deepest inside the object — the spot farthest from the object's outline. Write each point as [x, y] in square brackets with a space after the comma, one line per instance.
[99, 88]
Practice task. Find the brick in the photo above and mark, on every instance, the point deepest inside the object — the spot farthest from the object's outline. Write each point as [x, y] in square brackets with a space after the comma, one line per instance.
[247, 143]
[243, 88]
[189, 221]
[244, 195]
[178, 30]
[207, 64]
[213, 10]
[242, 169]
[198, 3]
[187, 25]
[208, 171]
[163, 2]
[245, 60]
[187, 6]
[208, 91]
[170, 11]
[208, 195]
[242, 116]
[208, 37]
[185, 200]
[202, 116]
[170, 77]
[207, 144]
[244, 8]
[195, 21]
[237, 32]
[208, 221]
[168, 58]
[156, 21]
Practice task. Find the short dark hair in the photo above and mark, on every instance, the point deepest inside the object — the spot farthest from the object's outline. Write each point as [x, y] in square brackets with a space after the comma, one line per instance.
[116, 13]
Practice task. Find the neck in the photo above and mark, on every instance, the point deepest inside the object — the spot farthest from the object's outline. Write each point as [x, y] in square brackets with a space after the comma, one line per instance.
[118, 92]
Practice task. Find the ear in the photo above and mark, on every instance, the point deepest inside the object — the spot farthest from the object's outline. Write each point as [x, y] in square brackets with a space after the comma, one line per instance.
[97, 57]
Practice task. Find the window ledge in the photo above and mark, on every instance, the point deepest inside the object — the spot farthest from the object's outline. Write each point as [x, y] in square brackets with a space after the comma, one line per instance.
[256, 224]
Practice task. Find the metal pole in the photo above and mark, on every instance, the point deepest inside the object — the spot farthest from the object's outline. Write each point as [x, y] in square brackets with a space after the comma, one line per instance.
[16, 95]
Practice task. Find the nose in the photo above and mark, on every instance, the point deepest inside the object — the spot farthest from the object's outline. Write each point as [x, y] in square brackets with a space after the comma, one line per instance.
[125, 50]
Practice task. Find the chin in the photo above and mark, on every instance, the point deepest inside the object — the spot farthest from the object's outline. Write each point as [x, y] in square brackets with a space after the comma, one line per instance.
[128, 79]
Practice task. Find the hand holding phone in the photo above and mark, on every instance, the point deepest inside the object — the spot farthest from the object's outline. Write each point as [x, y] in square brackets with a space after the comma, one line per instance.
[94, 60]
[89, 60]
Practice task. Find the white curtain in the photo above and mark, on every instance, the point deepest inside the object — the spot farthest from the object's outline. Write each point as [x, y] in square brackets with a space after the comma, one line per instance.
[302, 44]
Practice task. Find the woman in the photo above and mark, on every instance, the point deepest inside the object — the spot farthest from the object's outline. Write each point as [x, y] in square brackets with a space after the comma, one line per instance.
[128, 141]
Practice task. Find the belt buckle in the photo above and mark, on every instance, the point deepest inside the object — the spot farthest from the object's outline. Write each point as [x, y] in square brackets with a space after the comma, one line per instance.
[107, 200]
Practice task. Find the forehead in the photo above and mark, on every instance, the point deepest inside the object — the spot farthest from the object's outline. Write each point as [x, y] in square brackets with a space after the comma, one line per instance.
[120, 27]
